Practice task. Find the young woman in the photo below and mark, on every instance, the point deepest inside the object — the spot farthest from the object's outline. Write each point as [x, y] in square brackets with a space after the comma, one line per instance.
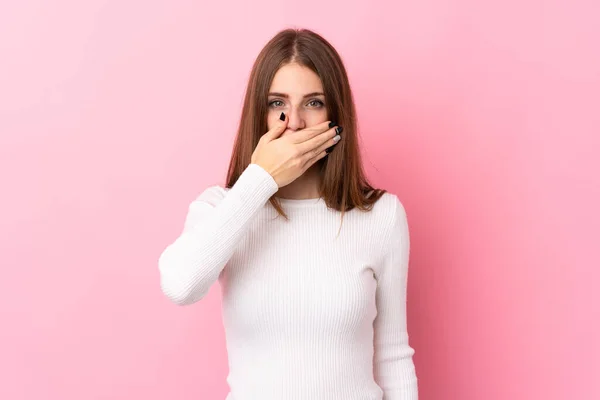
[311, 259]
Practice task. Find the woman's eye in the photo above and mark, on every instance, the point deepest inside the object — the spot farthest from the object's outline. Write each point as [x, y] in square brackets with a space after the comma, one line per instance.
[319, 103]
[312, 103]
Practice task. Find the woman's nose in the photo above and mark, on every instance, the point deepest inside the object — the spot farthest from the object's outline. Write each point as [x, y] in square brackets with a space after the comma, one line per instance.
[296, 120]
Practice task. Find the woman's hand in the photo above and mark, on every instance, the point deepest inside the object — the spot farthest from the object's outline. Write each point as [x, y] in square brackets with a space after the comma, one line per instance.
[288, 157]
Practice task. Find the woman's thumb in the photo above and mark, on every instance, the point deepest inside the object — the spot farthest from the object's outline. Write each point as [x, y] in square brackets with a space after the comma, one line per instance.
[278, 129]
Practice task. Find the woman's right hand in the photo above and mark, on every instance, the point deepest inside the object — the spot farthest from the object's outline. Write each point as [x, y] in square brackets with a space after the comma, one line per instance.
[288, 157]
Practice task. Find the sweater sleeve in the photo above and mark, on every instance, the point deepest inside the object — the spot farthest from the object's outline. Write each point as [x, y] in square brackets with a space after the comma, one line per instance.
[215, 223]
[394, 369]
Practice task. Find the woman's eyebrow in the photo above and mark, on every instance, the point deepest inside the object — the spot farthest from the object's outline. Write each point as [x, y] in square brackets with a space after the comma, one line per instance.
[284, 95]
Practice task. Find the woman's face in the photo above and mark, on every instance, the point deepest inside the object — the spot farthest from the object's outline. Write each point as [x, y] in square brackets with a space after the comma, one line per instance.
[297, 91]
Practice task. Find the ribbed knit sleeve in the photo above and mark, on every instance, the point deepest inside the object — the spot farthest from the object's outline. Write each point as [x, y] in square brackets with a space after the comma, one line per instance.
[394, 370]
[215, 223]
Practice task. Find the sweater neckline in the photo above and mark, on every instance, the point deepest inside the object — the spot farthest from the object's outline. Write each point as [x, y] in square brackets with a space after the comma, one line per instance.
[301, 202]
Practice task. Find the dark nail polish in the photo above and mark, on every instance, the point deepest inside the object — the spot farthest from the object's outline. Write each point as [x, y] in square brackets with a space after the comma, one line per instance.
[332, 124]
[339, 130]
[282, 117]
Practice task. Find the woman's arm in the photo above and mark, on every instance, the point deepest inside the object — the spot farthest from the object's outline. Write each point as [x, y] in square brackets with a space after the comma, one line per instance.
[214, 226]
[393, 364]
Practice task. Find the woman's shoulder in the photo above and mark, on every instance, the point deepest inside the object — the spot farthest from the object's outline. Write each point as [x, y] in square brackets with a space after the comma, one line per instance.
[389, 213]
[389, 205]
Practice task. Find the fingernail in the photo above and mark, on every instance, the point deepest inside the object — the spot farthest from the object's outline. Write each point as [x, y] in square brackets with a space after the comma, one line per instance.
[282, 116]
[328, 150]
[339, 130]
[332, 124]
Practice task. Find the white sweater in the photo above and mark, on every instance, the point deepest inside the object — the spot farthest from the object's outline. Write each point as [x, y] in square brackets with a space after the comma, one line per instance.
[307, 315]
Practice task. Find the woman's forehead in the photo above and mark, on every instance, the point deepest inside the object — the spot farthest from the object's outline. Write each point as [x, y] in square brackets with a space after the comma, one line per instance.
[296, 81]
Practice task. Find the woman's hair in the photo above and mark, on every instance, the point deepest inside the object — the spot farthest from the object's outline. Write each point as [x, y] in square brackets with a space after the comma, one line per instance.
[343, 184]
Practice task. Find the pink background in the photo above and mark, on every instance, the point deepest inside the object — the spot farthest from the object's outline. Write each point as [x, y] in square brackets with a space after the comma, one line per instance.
[484, 117]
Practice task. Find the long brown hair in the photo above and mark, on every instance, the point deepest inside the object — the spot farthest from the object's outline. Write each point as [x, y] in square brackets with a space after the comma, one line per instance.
[343, 184]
